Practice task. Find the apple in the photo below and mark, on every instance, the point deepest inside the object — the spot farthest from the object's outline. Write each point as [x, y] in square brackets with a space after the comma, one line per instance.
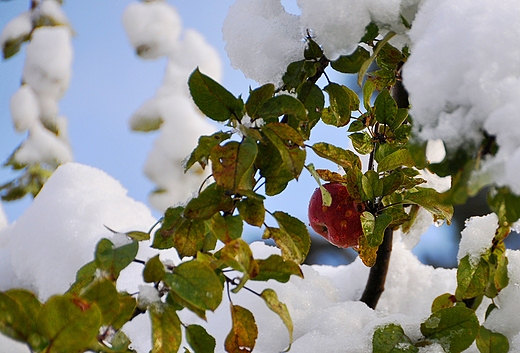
[340, 222]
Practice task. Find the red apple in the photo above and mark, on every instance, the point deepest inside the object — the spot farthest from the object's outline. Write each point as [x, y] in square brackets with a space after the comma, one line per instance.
[340, 222]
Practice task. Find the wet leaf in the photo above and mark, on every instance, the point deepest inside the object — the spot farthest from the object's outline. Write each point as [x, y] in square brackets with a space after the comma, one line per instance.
[197, 284]
[252, 211]
[491, 342]
[362, 142]
[226, 228]
[396, 160]
[471, 279]
[288, 142]
[344, 158]
[257, 98]
[18, 310]
[206, 143]
[453, 328]
[106, 297]
[166, 329]
[210, 201]
[113, 260]
[199, 339]
[244, 331]
[293, 238]
[238, 255]
[232, 164]
[282, 105]
[271, 299]
[154, 271]
[350, 64]
[392, 339]
[340, 105]
[212, 99]
[446, 300]
[277, 268]
[69, 323]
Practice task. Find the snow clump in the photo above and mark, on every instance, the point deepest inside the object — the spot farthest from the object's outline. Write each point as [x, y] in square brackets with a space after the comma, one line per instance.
[157, 26]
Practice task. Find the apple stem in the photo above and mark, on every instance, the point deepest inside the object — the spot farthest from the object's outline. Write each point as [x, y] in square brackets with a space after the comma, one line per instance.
[377, 277]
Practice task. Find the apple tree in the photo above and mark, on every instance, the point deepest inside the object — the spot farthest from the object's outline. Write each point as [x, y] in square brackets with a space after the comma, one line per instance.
[262, 147]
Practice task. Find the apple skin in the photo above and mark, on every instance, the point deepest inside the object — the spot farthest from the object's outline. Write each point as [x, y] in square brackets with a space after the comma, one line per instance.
[340, 222]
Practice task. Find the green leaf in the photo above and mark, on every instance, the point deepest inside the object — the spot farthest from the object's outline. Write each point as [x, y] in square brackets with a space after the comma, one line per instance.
[85, 275]
[277, 268]
[392, 182]
[385, 108]
[106, 297]
[252, 211]
[430, 200]
[210, 201]
[271, 299]
[13, 45]
[127, 305]
[392, 339]
[505, 204]
[471, 279]
[342, 157]
[257, 98]
[340, 105]
[350, 64]
[313, 99]
[113, 260]
[371, 33]
[226, 228]
[446, 300]
[18, 310]
[212, 99]
[244, 331]
[297, 72]
[400, 158]
[372, 185]
[197, 284]
[69, 323]
[312, 50]
[362, 142]
[294, 239]
[491, 342]
[282, 105]
[202, 151]
[288, 143]
[272, 168]
[138, 235]
[166, 329]
[453, 328]
[368, 89]
[199, 339]
[389, 57]
[238, 255]
[232, 164]
[364, 68]
[154, 271]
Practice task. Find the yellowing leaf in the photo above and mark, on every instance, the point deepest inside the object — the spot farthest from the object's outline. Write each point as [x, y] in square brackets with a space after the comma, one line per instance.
[243, 334]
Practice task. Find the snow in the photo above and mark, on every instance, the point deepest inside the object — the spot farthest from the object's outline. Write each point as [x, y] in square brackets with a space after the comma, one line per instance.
[152, 27]
[43, 146]
[16, 29]
[474, 89]
[52, 9]
[262, 38]
[25, 110]
[465, 52]
[172, 109]
[477, 237]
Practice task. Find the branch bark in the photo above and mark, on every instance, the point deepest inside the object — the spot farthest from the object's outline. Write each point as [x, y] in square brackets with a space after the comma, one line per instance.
[377, 277]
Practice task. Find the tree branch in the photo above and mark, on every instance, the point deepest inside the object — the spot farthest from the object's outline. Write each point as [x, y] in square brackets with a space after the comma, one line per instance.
[377, 277]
